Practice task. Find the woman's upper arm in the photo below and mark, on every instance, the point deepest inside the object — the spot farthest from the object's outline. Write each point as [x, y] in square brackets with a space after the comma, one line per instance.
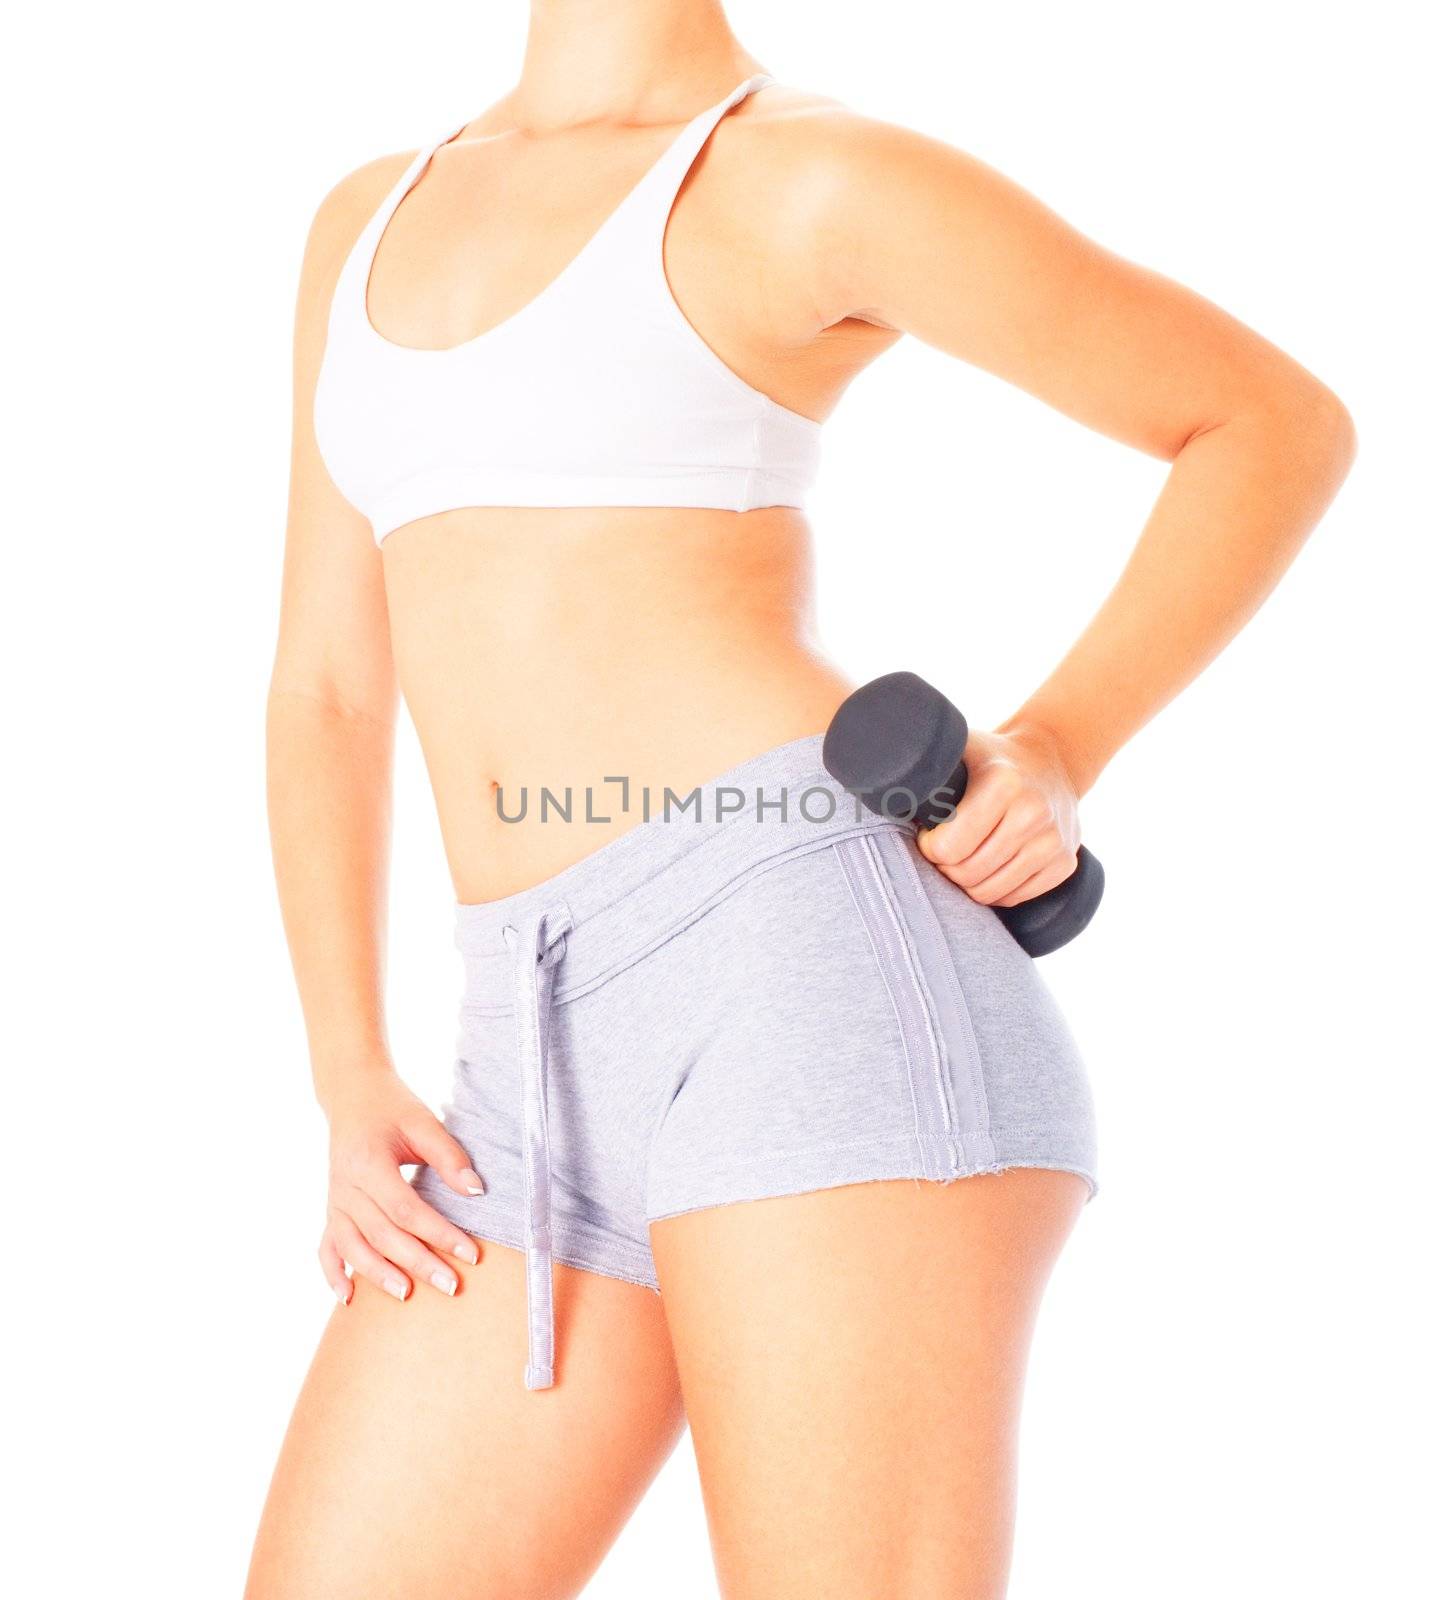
[334, 642]
[924, 238]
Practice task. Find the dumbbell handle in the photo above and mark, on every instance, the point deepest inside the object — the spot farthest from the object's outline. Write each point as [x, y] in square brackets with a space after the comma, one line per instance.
[887, 741]
[1060, 914]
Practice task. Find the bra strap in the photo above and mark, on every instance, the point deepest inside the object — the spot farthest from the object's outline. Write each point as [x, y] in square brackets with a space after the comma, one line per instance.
[356, 269]
[653, 200]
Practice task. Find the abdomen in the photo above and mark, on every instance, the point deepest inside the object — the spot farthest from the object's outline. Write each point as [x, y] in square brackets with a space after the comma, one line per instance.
[563, 650]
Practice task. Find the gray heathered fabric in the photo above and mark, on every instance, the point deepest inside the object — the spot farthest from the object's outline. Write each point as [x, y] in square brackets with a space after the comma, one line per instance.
[749, 1007]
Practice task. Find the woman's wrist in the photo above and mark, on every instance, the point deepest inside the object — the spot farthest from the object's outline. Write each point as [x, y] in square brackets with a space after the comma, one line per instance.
[1057, 745]
[338, 1074]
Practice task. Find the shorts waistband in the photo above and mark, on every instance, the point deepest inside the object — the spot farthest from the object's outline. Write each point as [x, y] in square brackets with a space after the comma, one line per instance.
[640, 888]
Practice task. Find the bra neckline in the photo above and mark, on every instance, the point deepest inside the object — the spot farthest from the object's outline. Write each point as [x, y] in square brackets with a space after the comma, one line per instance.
[418, 170]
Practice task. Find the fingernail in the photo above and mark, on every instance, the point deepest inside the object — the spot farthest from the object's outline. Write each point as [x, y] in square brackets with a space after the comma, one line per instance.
[343, 1292]
[445, 1282]
[396, 1286]
[473, 1182]
[466, 1252]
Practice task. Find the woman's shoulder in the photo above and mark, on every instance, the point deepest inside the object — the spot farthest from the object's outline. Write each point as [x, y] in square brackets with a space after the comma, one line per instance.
[816, 145]
[336, 224]
[352, 201]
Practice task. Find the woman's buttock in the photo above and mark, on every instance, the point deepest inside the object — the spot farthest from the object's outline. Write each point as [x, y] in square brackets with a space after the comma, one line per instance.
[565, 669]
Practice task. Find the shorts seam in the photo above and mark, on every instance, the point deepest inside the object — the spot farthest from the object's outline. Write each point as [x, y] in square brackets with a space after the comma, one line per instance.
[972, 1068]
[569, 1258]
[794, 1153]
[897, 966]
[966, 1164]
[636, 1260]
[903, 936]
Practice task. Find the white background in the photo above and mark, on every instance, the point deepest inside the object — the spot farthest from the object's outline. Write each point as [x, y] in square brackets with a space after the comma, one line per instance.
[1234, 1388]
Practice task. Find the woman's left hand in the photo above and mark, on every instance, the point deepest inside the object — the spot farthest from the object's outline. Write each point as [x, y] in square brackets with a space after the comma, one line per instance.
[1015, 833]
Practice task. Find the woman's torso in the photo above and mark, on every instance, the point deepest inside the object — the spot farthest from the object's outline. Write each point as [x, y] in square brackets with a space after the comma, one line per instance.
[567, 648]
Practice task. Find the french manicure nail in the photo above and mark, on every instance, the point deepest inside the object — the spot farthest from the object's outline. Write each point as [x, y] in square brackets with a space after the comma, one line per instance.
[473, 1182]
[343, 1292]
[396, 1286]
[445, 1282]
[466, 1252]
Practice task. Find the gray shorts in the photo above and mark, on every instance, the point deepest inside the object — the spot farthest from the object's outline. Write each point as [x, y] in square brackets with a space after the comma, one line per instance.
[765, 992]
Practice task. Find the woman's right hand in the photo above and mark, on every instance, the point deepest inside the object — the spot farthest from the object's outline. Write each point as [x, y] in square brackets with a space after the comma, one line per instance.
[375, 1221]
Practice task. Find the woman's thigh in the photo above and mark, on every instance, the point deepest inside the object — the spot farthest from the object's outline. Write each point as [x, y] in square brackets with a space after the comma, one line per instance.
[417, 1464]
[852, 1363]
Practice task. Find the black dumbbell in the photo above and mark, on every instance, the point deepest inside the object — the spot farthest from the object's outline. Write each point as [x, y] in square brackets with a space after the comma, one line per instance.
[897, 743]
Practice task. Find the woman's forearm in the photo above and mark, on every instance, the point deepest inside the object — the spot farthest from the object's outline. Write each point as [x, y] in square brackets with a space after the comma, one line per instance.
[329, 799]
[1240, 499]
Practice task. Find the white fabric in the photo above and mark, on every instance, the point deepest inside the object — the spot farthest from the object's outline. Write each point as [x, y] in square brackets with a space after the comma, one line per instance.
[598, 392]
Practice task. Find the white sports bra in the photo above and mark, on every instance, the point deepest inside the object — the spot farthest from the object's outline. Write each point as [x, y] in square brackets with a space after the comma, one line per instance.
[598, 392]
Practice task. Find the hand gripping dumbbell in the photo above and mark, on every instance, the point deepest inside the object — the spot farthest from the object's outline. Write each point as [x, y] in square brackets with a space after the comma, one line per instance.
[897, 744]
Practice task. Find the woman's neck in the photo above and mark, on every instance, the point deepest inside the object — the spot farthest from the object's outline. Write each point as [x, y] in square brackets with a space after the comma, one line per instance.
[629, 61]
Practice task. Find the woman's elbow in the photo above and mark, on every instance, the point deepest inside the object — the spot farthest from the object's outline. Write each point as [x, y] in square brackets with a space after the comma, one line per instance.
[1318, 426]
[1330, 428]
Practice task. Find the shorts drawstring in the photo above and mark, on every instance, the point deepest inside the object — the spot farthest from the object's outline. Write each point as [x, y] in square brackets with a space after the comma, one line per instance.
[537, 946]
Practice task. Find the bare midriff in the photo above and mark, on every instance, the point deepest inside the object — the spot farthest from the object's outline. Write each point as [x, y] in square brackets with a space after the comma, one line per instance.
[565, 650]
